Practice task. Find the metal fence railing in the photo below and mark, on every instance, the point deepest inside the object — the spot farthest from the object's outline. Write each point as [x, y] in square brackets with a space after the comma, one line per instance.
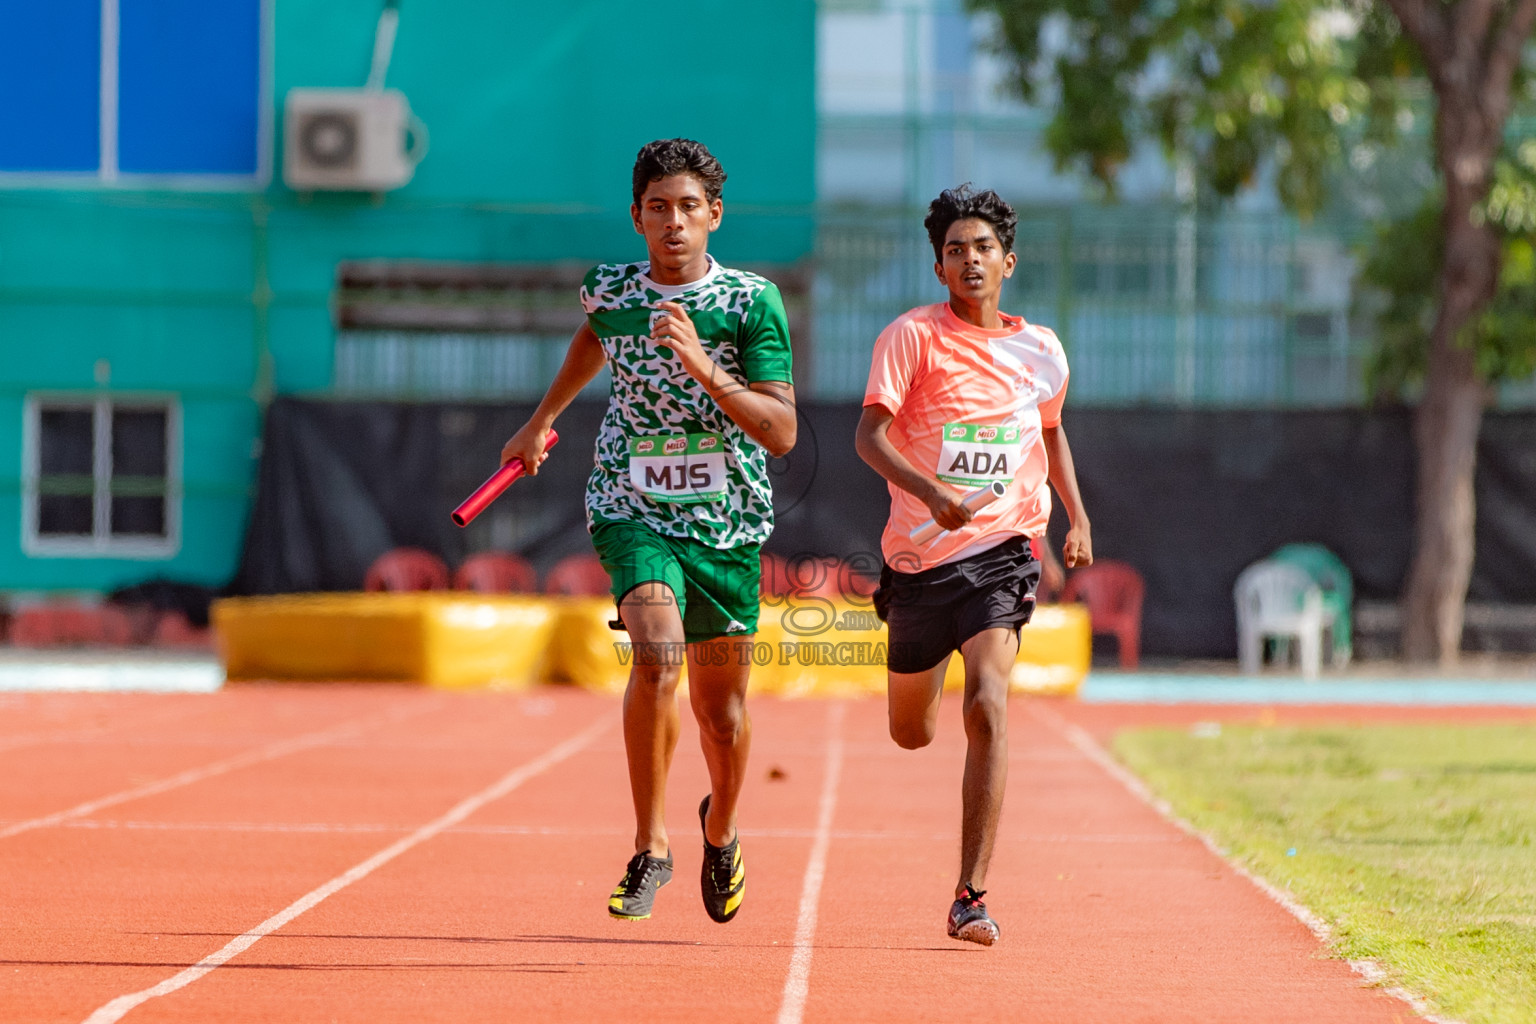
[1154, 305]
[431, 366]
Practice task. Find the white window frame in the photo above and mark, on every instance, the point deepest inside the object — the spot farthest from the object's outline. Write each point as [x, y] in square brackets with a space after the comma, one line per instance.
[107, 175]
[101, 543]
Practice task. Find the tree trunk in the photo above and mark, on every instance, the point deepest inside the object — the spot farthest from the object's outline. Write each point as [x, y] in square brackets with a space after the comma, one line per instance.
[1446, 425]
[1450, 414]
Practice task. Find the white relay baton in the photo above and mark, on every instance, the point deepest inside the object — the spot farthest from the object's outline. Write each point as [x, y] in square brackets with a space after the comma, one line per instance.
[975, 501]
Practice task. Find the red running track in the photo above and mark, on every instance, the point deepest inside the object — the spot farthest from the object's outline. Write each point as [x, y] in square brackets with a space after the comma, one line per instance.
[380, 854]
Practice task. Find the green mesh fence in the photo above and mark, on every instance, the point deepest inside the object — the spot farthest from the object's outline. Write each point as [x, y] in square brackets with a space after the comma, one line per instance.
[1155, 306]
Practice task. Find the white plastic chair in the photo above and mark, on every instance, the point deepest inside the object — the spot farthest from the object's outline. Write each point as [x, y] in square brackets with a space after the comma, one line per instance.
[1280, 600]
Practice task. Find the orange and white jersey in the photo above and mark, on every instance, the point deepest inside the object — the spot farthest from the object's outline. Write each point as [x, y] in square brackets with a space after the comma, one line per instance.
[968, 406]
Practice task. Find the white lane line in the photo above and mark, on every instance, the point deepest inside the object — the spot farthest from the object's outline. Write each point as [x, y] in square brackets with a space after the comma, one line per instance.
[94, 733]
[797, 983]
[839, 835]
[191, 775]
[1370, 971]
[116, 1009]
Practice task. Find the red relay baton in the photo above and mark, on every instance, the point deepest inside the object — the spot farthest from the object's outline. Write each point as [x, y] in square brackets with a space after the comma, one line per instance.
[492, 488]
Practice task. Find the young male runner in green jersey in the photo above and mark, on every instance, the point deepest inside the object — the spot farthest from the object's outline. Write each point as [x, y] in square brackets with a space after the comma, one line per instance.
[679, 502]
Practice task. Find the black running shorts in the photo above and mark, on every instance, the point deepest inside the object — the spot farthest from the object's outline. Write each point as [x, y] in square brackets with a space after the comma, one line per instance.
[932, 612]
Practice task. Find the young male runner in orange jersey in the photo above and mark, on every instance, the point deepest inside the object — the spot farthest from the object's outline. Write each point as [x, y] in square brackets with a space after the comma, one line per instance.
[961, 396]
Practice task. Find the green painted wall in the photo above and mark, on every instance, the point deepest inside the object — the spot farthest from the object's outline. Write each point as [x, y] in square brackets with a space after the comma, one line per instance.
[535, 113]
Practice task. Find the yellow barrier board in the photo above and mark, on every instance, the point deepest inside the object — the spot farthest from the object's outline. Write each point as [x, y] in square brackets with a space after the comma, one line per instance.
[1055, 651]
[804, 646]
[822, 647]
[585, 650]
[452, 641]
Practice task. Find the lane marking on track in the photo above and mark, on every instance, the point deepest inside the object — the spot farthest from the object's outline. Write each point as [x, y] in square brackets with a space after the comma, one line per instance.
[797, 983]
[855, 835]
[117, 1008]
[207, 771]
[1370, 971]
[94, 733]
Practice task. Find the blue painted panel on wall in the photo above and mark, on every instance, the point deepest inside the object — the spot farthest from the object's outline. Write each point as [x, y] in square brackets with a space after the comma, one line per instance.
[50, 78]
[164, 284]
[189, 86]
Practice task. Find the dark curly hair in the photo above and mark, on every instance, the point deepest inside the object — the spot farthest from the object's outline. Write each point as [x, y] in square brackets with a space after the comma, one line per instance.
[963, 204]
[666, 157]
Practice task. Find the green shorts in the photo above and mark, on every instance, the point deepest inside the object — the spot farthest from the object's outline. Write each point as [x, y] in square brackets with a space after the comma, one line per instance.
[716, 590]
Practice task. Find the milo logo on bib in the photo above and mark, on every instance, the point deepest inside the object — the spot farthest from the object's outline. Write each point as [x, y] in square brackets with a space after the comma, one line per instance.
[973, 455]
[682, 469]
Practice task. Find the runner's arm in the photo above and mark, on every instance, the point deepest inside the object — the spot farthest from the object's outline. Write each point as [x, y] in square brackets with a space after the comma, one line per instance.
[765, 409]
[583, 360]
[1078, 549]
[875, 448]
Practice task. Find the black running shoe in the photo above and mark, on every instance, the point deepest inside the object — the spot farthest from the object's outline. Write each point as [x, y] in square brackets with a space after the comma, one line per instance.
[724, 879]
[632, 898]
[968, 919]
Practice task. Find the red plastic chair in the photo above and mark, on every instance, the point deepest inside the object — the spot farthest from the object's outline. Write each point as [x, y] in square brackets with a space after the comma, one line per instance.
[71, 623]
[407, 569]
[776, 581]
[812, 576]
[174, 629]
[1113, 593]
[577, 576]
[497, 572]
[854, 584]
[1052, 576]
[36, 626]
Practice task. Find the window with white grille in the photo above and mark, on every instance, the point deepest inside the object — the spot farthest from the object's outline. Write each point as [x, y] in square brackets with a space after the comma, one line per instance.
[102, 477]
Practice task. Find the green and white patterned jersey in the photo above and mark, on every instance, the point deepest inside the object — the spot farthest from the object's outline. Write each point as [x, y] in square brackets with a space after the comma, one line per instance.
[663, 433]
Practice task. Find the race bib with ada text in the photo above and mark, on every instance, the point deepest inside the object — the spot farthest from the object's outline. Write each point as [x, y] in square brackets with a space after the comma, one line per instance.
[973, 455]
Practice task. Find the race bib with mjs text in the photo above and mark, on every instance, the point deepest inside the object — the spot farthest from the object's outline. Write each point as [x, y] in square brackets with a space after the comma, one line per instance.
[682, 468]
[974, 456]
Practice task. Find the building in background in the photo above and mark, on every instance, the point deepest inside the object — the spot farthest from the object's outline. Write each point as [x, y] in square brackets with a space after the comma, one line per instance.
[159, 284]
[1159, 299]
[1163, 297]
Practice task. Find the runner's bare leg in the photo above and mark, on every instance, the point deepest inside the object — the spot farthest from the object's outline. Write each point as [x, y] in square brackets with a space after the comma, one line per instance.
[912, 699]
[655, 628]
[989, 658]
[717, 689]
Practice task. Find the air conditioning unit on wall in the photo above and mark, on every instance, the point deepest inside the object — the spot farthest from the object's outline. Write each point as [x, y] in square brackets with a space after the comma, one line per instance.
[360, 140]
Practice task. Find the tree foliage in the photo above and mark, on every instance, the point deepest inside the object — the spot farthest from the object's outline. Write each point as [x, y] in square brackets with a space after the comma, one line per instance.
[1230, 84]
[1233, 85]
[1399, 277]
[1230, 87]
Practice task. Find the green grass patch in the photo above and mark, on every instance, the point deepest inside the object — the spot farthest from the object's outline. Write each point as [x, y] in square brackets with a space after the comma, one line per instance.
[1416, 843]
